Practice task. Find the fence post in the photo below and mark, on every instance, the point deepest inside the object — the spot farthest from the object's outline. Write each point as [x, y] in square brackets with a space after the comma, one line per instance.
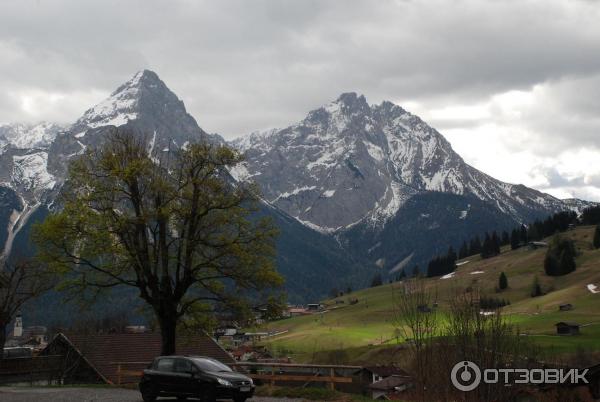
[331, 375]
[272, 376]
[119, 374]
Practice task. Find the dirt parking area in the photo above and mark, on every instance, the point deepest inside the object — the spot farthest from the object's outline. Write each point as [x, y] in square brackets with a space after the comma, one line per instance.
[29, 394]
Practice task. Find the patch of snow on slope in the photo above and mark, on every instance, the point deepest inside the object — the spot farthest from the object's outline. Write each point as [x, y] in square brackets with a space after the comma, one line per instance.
[593, 288]
[240, 172]
[295, 191]
[26, 136]
[321, 229]
[328, 193]
[117, 109]
[375, 151]
[448, 276]
[31, 171]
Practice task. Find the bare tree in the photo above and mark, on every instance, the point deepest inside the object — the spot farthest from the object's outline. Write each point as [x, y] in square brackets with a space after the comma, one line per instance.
[416, 321]
[20, 283]
[175, 229]
[486, 338]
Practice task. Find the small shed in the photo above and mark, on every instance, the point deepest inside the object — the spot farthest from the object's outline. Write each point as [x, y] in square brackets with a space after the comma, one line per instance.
[424, 308]
[534, 245]
[565, 307]
[567, 328]
[380, 372]
[389, 388]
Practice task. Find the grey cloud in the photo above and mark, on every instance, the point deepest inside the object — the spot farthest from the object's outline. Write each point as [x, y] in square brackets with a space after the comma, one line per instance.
[245, 65]
[241, 66]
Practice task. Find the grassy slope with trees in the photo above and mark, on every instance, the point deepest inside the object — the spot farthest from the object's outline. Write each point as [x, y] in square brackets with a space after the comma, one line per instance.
[354, 332]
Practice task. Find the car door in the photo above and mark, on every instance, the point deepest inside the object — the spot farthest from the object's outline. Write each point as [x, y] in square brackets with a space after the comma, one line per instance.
[183, 378]
[165, 374]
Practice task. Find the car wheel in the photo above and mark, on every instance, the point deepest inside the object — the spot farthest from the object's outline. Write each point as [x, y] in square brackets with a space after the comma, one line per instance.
[210, 395]
[148, 393]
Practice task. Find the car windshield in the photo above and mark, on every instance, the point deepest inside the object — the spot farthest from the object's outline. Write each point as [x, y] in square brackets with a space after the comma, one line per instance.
[210, 365]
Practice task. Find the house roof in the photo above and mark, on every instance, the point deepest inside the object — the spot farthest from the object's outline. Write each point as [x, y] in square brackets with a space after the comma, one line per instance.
[390, 383]
[134, 351]
[386, 371]
[569, 324]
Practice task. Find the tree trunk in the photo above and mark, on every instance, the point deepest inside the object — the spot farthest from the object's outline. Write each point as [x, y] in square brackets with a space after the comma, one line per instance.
[168, 327]
[2, 338]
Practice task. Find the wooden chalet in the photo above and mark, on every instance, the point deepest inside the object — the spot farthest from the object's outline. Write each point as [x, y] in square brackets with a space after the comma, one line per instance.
[118, 358]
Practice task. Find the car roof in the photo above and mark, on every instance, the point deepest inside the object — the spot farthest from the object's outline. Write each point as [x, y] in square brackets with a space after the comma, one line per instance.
[185, 357]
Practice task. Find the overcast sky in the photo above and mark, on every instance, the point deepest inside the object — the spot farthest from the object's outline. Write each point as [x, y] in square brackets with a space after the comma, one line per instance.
[514, 85]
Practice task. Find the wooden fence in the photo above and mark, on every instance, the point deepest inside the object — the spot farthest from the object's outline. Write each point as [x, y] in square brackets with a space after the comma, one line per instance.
[309, 373]
[270, 373]
[31, 369]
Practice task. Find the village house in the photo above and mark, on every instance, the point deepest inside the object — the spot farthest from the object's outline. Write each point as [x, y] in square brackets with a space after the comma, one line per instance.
[565, 307]
[33, 337]
[390, 388]
[297, 311]
[380, 372]
[534, 245]
[120, 358]
[567, 328]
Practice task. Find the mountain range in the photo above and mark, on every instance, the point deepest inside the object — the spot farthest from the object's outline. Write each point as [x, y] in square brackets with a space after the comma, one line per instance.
[356, 189]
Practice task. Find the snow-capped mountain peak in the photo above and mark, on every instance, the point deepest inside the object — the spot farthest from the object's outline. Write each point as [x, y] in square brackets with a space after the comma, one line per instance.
[26, 135]
[121, 106]
[146, 106]
[349, 162]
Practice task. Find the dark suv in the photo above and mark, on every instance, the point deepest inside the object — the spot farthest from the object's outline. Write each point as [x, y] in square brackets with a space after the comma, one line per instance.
[194, 377]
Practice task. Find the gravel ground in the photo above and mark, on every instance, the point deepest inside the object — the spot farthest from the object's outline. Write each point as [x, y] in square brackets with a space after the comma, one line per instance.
[27, 394]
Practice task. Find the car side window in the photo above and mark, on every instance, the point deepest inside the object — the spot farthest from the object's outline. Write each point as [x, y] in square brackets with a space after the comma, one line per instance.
[183, 366]
[165, 365]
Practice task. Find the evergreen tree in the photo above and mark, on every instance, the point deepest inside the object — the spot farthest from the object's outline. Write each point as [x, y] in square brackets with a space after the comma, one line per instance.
[377, 280]
[463, 252]
[495, 244]
[523, 233]
[591, 216]
[566, 263]
[596, 241]
[533, 233]
[536, 288]
[560, 257]
[505, 238]
[451, 255]
[491, 245]
[551, 265]
[502, 281]
[442, 265]
[515, 239]
[475, 246]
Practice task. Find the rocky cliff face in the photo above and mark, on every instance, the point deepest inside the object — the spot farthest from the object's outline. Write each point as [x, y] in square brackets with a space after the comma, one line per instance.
[349, 162]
